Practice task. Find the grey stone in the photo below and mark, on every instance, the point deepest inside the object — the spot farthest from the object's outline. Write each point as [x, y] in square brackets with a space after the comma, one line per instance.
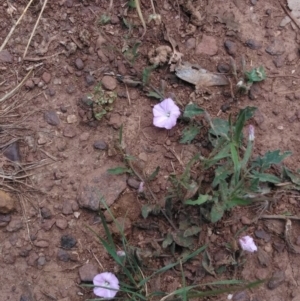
[100, 144]
[68, 242]
[100, 185]
[87, 272]
[63, 255]
[51, 118]
[133, 183]
[230, 47]
[90, 80]
[46, 213]
[79, 64]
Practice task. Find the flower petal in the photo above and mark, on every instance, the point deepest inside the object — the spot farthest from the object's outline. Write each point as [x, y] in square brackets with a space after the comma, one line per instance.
[160, 121]
[165, 114]
[247, 244]
[106, 285]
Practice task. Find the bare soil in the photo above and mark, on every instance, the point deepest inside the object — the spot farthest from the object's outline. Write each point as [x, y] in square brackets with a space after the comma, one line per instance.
[57, 148]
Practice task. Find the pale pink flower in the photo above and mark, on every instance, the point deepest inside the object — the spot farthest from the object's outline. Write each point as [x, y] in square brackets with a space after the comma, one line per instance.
[121, 253]
[106, 285]
[141, 187]
[165, 114]
[251, 132]
[248, 244]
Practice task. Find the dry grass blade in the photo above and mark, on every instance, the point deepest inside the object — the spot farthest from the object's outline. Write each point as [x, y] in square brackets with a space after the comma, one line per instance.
[139, 11]
[34, 28]
[13, 28]
[13, 91]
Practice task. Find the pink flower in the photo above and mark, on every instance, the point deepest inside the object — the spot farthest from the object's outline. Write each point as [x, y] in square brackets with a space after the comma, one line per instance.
[248, 244]
[141, 187]
[251, 132]
[165, 114]
[121, 253]
[106, 285]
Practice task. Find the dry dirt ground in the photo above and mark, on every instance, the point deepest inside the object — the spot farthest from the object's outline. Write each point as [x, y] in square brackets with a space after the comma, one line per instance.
[54, 151]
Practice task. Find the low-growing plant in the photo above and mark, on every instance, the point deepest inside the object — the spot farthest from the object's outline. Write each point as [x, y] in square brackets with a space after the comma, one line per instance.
[133, 275]
[236, 178]
[101, 101]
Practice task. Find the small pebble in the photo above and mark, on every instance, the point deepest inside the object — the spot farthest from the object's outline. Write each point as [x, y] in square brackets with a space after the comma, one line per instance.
[51, 118]
[68, 242]
[79, 64]
[133, 183]
[63, 255]
[46, 213]
[90, 80]
[72, 118]
[46, 77]
[100, 144]
[109, 82]
[223, 68]
[230, 47]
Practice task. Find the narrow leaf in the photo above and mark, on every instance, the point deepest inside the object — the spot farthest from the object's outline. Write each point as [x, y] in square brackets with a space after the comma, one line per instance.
[201, 200]
[154, 174]
[192, 110]
[118, 170]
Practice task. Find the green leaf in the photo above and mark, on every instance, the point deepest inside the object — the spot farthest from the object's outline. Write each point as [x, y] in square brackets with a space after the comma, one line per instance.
[167, 241]
[236, 201]
[220, 126]
[118, 170]
[217, 212]
[146, 74]
[201, 200]
[256, 74]
[150, 208]
[221, 174]
[155, 95]
[192, 110]
[265, 177]
[239, 125]
[191, 231]
[154, 174]
[269, 158]
[189, 134]
[236, 163]
[131, 3]
[294, 178]
[182, 241]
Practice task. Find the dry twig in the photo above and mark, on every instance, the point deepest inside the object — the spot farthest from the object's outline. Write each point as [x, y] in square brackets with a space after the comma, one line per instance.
[34, 28]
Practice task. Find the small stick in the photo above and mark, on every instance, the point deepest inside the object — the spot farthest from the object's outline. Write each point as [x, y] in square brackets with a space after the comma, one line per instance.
[284, 217]
[34, 28]
[37, 59]
[12, 92]
[13, 28]
[139, 11]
